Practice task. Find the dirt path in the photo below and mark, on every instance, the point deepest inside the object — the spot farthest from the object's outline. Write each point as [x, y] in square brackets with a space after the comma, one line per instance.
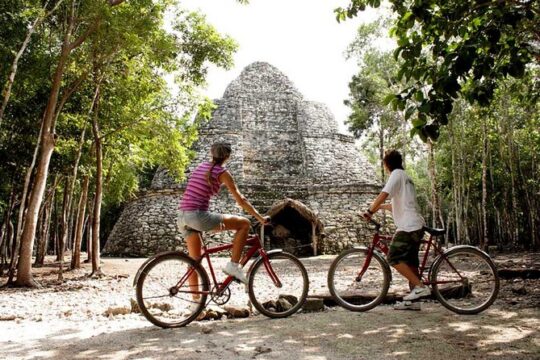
[66, 322]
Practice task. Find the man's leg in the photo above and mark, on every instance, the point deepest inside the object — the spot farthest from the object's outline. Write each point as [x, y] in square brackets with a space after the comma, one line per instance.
[415, 270]
[407, 271]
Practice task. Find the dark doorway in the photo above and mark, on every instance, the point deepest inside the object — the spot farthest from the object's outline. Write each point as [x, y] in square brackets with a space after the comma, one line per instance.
[292, 232]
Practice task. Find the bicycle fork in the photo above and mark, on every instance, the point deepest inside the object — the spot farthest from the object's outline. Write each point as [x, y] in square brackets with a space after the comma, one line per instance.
[367, 261]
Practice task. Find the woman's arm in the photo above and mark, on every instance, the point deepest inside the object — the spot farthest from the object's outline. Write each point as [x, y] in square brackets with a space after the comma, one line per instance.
[387, 207]
[226, 179]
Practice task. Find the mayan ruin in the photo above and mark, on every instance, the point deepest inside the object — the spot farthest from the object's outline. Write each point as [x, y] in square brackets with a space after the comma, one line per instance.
[288, 159]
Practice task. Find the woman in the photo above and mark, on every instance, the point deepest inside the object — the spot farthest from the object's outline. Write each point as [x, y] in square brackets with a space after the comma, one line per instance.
[194, 217]
[403, 253]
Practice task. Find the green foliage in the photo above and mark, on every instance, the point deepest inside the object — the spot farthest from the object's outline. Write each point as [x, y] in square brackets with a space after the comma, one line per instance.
[145, 120]
[456, 48]
[375, 116]
[513, 131]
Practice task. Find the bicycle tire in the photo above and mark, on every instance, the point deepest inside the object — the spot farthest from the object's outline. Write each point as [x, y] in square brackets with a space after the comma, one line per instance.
[265, 302]
[148, 309]
[458, 258]
[354, 297]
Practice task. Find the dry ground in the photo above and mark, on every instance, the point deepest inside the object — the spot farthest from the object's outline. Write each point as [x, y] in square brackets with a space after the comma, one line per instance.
[66, 321]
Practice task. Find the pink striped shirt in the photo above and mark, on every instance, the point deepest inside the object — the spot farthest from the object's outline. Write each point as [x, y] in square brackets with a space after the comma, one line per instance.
[198, 191]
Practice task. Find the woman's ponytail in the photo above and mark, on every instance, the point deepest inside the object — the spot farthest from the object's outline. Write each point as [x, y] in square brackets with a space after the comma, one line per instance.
[220, 152]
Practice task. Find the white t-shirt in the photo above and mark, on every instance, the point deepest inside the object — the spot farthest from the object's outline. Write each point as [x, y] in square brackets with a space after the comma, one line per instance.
[405, 212]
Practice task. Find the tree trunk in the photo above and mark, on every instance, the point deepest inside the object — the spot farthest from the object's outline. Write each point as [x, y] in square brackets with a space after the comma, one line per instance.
[63, 222]
[15, 63]
[381, 149]
[89, 227]
[47, 143]
[45, 222]
[63, 234]
[96, 266]
[71, 188]
[435, 207]
[455, 187]
[5, 233]
[76, 257]
[484, 235]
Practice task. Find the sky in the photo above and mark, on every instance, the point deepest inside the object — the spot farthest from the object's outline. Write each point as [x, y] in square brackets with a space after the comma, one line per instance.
[300, 37]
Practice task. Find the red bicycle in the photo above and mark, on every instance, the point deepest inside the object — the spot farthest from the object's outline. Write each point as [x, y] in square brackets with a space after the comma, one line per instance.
[277, 284]
[463, 278]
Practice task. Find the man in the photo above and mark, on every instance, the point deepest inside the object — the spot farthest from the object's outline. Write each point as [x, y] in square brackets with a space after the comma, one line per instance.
[403, 253]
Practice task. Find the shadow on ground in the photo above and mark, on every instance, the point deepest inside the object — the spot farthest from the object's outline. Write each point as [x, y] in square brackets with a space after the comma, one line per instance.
[383, 333]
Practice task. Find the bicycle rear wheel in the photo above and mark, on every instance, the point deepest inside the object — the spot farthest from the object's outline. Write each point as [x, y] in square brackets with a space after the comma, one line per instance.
[166, 301]
[354, 292]
[465, 280]
[282, 301]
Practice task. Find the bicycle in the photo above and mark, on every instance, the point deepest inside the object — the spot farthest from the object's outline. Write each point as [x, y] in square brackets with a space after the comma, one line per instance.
[463, 278]
[277, 284]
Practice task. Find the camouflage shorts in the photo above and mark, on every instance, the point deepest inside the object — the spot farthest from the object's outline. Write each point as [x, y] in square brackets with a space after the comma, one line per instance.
[405, 247]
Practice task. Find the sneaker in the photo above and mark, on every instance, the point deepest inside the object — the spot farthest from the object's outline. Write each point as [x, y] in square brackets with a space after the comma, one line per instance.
[417, 293]
[234, 269]
[407, 305]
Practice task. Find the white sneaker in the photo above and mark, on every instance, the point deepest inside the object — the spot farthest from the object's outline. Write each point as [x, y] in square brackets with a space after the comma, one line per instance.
[234, 269]
[417, 293]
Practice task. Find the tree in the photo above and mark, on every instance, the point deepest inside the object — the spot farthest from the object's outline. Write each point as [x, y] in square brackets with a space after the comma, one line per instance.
[72, 39]
[42, 13]
[455, 48]
[367, 91]
[140, 121]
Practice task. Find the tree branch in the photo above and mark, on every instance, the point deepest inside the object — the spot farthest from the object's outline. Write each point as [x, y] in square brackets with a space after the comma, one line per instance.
[115, 2]
[74, 86]
[83, 36]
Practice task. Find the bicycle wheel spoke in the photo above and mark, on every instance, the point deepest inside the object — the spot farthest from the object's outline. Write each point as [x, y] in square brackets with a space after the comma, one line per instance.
[466, 282]
[273, 300]
[161, 300]
[354, 289]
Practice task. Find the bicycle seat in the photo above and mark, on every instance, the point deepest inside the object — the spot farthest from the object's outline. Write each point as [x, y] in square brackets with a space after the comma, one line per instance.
[434, 231]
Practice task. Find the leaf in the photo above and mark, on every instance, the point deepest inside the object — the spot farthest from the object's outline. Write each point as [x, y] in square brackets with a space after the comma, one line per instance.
[418, 122]
[389, 98]
[410, 110]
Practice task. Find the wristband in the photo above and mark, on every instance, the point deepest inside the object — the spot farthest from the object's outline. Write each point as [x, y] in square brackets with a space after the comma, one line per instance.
[370, 212]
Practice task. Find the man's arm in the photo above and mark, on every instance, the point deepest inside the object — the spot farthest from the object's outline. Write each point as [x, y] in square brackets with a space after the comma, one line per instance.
[376, 205]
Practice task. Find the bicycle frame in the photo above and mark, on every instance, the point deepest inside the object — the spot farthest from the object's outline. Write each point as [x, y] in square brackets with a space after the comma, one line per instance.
[256, 245]
[379, 242]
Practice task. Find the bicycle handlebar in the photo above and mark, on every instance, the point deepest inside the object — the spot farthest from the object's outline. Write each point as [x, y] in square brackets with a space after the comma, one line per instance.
[373, 222]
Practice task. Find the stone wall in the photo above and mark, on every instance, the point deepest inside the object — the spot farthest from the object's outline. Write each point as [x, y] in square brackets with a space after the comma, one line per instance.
[283, 146]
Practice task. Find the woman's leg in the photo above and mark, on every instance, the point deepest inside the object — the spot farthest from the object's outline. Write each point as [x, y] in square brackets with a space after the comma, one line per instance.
[193, 241]
[241, 226]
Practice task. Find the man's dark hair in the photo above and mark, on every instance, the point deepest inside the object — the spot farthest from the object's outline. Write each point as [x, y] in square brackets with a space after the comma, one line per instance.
[393, 160]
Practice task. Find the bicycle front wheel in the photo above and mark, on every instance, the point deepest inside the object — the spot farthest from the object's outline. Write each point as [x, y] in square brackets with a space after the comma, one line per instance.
[465, 280]
[278, 300]
[164, 293]
[354, 290]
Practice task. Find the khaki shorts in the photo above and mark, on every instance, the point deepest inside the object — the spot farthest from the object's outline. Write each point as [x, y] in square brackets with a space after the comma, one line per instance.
[198, 221]
[404, 248]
